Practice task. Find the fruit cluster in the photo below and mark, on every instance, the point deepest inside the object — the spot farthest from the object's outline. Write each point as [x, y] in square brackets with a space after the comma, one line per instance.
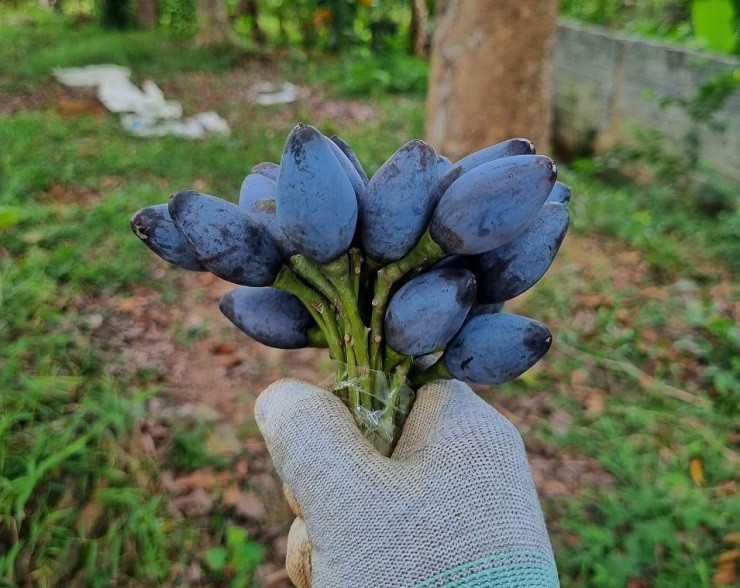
[416, 260]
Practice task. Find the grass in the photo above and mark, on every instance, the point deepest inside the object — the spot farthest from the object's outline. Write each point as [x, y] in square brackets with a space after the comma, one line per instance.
[642, 303]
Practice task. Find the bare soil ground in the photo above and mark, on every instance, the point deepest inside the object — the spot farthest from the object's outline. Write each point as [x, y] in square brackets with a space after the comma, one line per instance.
[212, 373]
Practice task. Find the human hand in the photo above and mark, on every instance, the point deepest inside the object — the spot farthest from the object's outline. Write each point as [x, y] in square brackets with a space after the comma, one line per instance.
[454, 506]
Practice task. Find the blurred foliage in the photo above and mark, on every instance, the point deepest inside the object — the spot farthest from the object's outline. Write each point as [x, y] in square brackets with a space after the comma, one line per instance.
[117, 14]
[715, 22]
[710, 24]
[239, 555]
[179, 16]
[383, 74]
[330, 25]
[640, 301]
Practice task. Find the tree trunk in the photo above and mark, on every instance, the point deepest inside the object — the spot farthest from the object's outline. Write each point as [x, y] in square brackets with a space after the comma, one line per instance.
[491, 74]
[146, 14]
[418, 35]
[250, 8]
[213, 25]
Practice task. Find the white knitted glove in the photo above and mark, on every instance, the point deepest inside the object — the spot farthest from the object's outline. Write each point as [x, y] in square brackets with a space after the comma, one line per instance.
[455, 505]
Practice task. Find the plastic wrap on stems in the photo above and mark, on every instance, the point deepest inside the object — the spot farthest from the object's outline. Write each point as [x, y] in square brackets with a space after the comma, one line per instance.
[379, 403]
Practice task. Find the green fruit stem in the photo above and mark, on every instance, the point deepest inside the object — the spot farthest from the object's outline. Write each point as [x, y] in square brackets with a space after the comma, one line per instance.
[319, 308]
[355, 270]
[391, 358]
[339, 273]
[332, 293]
[317, 337]
[312, 273]
[396, 386]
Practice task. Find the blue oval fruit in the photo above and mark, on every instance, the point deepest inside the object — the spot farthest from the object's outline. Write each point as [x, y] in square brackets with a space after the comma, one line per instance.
[496, 348]
[225, 238]
[507, 148]
[272, 317]
[347, 150]
[443, 165]
[268, 169]
[491, 204]
[153, 225]
[358, 184]
[258, 196]
[560, 193]
[427, 311]
[479, 309]
[516, 266]
[265, 212]
[458, 261]
[398, 202]
[256, 187]
[316, 203]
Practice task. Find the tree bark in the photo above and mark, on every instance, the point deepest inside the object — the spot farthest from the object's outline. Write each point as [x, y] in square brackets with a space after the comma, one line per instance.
[213, 25]
[419, 37]
[250, 8]
[491, 74]
[146, 14]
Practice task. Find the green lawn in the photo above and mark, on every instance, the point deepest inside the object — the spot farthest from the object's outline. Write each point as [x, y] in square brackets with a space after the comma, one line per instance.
[642, 303]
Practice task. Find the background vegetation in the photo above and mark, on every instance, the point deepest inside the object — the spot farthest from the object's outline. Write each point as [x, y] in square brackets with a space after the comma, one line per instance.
[639, 395]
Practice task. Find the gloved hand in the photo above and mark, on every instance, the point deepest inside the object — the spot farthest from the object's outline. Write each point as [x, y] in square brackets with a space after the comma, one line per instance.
[454, 506]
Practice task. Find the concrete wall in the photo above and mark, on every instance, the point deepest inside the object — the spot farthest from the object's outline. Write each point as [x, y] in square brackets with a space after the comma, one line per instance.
[601, 85]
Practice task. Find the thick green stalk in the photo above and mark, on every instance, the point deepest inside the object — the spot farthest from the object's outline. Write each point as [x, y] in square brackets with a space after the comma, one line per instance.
[311, 273]
[391, 358]
[355, 270]
[317, 337]
[396, 386]
[338, 274]
[317, 306]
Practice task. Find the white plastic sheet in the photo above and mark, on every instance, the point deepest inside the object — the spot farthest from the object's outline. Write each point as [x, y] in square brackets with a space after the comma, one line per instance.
[144, 111]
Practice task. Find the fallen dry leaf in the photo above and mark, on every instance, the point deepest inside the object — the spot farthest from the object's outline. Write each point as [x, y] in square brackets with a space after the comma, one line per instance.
[594, 403]
[732, 539]
[196, 503]
[728, 556]
[129, 304]
[222, 441]
[241, 469]
[560, 421]
[277, 579]
[208, 480]
[551, 487]
[579, 377]
[280, 547]
[32, 237]
[223, 348]
[725, 574]
[253, 445]
[90, 516]
[245, 504]
[696, 471]
[594, 300]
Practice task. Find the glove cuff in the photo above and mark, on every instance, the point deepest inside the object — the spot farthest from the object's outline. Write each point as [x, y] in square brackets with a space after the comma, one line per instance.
[504, 570]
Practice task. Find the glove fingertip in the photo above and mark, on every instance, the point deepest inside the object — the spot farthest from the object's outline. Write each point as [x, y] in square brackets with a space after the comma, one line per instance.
[281, 400]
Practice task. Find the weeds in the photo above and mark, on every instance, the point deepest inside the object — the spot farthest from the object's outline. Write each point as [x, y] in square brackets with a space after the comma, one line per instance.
[641, 301]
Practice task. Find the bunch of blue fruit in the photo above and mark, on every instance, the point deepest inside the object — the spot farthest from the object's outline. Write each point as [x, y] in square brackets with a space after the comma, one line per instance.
[415, 262]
